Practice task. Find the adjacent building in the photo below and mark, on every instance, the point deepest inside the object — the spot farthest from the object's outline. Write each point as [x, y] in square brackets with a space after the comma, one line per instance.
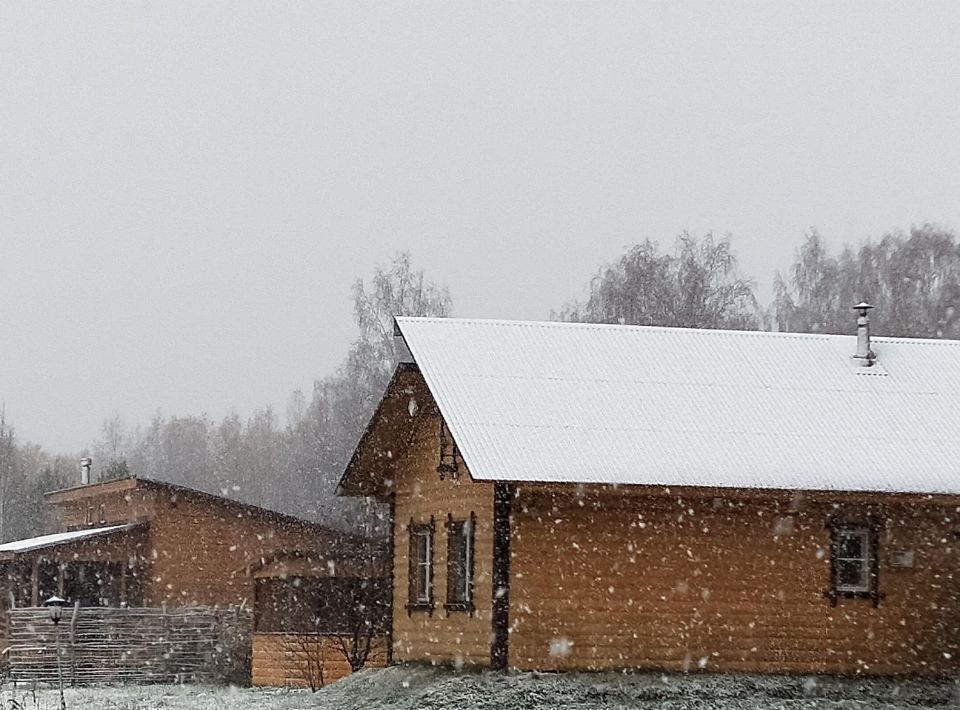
[141, 542]
[138, 542]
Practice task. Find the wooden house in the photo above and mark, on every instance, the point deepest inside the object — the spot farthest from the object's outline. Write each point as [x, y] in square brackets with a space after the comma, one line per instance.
[580, 496]
[140, 542]
[144, 543]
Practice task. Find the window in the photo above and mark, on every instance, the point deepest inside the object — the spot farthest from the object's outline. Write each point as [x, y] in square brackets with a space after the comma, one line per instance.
[420, 593]
[853, 562]
[460, 564]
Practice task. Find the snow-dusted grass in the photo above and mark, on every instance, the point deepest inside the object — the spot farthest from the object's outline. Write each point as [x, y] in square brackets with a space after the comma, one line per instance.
[165, 697]
[427, 688]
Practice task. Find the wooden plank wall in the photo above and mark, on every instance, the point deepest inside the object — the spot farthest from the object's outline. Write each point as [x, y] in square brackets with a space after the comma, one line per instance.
[202, 553]
[111, 645]
[449, 637]
[201, 549]
[299, 660]
[732, 585]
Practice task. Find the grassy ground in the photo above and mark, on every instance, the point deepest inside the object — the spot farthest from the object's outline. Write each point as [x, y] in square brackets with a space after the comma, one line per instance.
[425, 688]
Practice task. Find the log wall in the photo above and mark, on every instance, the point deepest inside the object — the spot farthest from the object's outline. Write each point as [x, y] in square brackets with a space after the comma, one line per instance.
[305, 660]
[201, 548]
[203, 553]
[614, 581]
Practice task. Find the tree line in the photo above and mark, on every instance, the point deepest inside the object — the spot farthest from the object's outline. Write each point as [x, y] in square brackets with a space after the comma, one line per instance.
[912, 278]
[26, 473]
[293, 464]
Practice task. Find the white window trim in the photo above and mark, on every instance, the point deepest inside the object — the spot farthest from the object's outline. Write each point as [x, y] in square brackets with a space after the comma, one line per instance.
[424, 567]
[866, 583]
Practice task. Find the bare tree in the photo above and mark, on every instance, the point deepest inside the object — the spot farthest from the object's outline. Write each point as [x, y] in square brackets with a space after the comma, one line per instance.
[306, 653]
[698, 286]
[111, 449]
[366, 621]
[293, 468]
[26, 473]
[913, 280]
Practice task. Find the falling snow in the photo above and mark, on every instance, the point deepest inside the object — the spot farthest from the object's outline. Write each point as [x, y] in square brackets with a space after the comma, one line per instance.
[560, 647]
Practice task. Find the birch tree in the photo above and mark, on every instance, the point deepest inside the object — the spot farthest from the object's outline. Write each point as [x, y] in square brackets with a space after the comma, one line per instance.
[912, 279]
[697, 286]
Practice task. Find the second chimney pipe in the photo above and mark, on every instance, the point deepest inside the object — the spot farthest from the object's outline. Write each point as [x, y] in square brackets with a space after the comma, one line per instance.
[865, 355]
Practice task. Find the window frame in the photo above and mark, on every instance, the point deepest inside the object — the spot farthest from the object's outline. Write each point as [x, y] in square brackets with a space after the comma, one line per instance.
[869, 559]
[420, 599]
[467, 529]
[862, 560]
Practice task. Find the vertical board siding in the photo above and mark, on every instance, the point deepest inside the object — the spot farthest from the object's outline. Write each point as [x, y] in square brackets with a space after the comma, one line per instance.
[666, 583]
[441, 636]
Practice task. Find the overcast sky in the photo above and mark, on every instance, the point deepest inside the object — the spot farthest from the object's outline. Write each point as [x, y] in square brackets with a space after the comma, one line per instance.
[187, 190]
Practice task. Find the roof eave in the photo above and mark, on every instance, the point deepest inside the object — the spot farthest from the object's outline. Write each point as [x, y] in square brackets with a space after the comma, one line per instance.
[7, 555]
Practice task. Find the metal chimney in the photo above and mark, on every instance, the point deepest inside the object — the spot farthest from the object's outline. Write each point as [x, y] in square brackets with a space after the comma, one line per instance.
[85, 464]
[865, 355]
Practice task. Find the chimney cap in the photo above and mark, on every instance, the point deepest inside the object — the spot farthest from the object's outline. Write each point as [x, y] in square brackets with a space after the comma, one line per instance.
[862, 306]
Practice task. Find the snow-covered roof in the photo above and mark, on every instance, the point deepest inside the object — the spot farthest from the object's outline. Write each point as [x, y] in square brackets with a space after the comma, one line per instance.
[44, 541]
[588, 403]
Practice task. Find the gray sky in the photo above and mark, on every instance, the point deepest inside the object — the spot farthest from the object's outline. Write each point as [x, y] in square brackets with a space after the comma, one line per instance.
[188, 190]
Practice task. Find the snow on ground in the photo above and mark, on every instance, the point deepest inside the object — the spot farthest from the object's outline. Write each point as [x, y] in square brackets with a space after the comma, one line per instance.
[426, 688]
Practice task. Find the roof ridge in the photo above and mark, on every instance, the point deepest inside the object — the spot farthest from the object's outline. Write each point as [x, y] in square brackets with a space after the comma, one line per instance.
[577, 325]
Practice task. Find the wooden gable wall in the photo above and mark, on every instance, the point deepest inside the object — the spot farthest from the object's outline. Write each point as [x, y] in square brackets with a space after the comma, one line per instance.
[420, 496]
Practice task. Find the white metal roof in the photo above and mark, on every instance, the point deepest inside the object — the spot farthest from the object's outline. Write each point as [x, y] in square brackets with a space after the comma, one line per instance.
[37, 543]
[588, 403]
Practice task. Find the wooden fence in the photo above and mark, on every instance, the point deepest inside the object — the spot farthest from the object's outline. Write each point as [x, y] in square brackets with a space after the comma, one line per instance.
[129, 645]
